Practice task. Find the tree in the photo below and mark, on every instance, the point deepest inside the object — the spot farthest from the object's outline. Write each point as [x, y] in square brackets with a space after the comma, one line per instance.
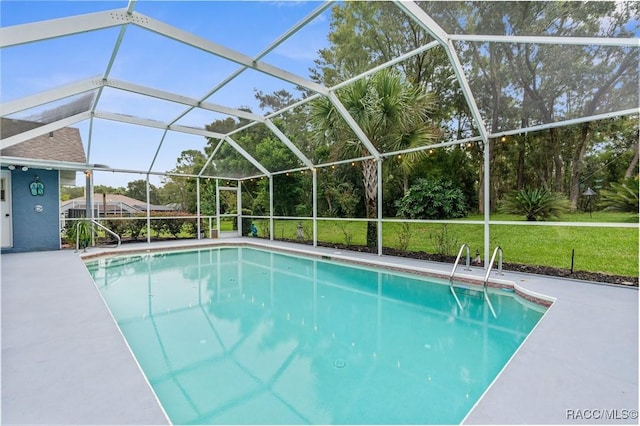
[561, 82]
[104, 189]
[182, 190]
[137, 189]
[69, 192]
[526, 84]
[393, 114]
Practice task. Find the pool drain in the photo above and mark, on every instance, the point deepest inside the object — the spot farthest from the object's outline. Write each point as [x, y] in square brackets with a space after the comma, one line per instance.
[339, 363]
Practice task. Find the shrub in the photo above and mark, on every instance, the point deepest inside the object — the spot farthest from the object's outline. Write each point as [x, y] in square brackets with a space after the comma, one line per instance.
[135, 226]
[535, 204]
[404, 236]
[432, 199]
[444, 243]
[114, 225]
[82, 228]
[622, 197]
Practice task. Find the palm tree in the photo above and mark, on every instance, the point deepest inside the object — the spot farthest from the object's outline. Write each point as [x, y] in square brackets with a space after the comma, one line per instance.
[392, 113]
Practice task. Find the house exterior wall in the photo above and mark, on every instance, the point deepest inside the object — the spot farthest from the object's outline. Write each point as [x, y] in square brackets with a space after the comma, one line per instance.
[33, 230]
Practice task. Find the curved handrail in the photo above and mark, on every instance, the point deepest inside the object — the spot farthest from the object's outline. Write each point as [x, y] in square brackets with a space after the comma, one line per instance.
[95, 222]
[455, 265]
[468, 260]
[497, 250]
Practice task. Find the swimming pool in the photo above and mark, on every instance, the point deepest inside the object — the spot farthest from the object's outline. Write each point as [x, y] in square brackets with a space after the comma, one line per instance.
[237, 335]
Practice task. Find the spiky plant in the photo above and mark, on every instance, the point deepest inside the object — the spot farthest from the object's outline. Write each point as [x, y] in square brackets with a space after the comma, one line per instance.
[621, 197]
[535, 204]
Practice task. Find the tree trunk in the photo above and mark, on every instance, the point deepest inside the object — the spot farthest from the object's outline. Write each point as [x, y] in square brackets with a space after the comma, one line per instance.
[577, 166]
[370, 180]
[632, 170]
[558, 164]
[520, 167]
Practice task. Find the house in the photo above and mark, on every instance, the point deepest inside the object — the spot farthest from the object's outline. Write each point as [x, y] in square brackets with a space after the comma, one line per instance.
[29, 191]
[105, 205]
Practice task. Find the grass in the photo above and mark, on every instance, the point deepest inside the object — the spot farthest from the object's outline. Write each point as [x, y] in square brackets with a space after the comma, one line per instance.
[605, 250]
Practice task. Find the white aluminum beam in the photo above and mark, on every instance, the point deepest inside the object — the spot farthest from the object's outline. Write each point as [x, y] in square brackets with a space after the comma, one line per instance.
[224, 52]
[416, 13]
[294, 105]
[353, 125]
[42, 130]
[268, 49]
[194, 131]
[44, 164]
[41, 98]
[155, 156]
[185, 100]
[387, 64]
[27, 33]
[431, 146]
[288, 143]
[87, 85]
[297, 27]
[563, 123]
[129, 119]
[246, 155]
[429, 25]
[206, 164]
[578, 41]
[155, 124]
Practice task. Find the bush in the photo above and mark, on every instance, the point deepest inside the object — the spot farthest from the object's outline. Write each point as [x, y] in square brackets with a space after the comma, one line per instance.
[83, 228]
[432, 199]
[135, 226]
[622, 197]
[535, 204]
[115, 225]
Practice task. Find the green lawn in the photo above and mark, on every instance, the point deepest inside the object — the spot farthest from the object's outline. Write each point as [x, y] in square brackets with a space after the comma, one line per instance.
[606, 250]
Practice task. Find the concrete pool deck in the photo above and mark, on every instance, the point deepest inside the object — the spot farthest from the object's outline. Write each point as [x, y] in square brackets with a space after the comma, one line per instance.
[64, 360]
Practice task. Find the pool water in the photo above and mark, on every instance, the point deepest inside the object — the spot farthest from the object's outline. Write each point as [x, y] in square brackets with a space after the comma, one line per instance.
[246, 336]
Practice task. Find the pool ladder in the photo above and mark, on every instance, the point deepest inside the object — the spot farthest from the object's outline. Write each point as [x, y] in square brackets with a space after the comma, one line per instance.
[453, 271]
[497, 251]
[99, 225]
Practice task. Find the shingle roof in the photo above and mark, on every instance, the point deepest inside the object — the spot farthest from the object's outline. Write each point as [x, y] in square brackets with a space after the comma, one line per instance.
[114, 203]
[60, 145]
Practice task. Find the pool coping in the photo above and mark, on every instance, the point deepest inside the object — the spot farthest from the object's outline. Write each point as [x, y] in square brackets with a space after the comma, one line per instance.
[459, 278]
[563, 369]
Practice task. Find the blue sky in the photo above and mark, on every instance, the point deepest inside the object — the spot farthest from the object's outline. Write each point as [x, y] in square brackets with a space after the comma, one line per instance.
[155, 61]
[150, 59]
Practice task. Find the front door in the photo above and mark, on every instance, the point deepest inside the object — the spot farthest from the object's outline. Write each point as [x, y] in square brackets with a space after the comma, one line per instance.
[6, 224]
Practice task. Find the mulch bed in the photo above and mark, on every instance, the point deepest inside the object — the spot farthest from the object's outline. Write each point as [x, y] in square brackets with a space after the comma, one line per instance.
[514, 267]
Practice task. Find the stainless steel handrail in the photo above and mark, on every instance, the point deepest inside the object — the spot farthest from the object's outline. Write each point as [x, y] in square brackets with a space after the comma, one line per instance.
[497, 250]
[94, 222]
[455, 265]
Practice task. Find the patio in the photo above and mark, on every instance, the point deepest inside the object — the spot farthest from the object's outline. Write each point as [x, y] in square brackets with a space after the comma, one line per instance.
[65, 361]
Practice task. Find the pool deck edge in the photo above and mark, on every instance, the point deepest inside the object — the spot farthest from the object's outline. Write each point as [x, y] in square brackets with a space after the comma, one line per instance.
[582, 356]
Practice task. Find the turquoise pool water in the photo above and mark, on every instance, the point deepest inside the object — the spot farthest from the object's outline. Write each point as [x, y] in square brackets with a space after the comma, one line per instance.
[246, 336]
